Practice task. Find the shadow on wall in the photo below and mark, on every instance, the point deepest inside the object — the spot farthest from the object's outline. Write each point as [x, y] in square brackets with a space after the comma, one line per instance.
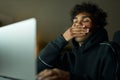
[1, 24]
[5, 20]
[39, 44]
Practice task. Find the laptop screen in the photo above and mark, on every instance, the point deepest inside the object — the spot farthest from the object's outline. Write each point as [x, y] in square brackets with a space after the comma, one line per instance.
[17, 50]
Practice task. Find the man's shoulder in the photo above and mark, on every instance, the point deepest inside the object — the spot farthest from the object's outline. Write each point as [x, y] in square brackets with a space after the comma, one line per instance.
[107, 45]
[105, 49]
[112, 47]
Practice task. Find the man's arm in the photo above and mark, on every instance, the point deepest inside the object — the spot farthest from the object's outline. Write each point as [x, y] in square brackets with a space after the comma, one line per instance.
[51, 53]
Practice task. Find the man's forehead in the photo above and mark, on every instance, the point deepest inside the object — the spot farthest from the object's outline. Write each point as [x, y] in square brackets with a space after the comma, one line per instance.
[83, 16]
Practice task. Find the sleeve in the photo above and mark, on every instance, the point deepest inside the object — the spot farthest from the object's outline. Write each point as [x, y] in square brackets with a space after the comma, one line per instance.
[109, 70]
[108, 64]
[50, 54]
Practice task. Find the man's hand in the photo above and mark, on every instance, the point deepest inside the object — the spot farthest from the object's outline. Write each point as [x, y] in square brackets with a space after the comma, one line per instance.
[75, 31]
[53, 74]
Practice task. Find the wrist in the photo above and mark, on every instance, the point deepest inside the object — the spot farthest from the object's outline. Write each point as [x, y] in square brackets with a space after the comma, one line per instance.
[66, 37]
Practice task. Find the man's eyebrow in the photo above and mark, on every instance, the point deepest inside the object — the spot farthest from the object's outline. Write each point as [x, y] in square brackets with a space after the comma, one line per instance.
[85, 17]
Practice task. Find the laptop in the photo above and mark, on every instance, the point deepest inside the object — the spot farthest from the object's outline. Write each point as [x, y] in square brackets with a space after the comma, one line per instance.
[17, 50]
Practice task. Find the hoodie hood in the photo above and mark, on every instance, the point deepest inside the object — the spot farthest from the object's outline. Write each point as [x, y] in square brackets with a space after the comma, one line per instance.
[96, 37]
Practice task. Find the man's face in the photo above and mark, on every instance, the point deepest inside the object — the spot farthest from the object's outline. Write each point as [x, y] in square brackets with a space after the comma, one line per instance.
[83, 20]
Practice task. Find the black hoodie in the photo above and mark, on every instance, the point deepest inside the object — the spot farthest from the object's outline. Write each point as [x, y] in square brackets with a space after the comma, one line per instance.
[116, 39]
[91, 61]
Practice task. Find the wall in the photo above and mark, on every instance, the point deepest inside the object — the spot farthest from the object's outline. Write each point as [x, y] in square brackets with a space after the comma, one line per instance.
[53, 15]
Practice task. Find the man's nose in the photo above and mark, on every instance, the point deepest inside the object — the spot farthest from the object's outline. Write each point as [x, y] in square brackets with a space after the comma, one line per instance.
[79, 24]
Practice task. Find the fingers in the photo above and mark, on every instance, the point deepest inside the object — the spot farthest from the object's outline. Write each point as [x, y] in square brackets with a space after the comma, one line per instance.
[68, 34]
[53, 74]
[75, 31]
[52, 78]
[62, 75]
[78, 32]
[49, 78]
[45, 74]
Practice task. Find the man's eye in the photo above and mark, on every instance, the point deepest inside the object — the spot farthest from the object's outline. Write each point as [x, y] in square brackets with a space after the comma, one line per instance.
[86, 20]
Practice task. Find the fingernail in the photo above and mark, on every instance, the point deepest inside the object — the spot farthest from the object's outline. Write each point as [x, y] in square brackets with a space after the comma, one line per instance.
[87, 30]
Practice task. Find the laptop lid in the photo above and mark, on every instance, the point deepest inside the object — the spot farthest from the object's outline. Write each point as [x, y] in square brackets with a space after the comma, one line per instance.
[17, 50]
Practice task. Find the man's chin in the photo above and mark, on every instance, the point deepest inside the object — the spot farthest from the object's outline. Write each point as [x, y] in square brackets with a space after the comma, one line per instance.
[80, 39]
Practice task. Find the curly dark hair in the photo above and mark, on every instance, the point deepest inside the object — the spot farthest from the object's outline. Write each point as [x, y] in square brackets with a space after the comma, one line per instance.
[98, 15]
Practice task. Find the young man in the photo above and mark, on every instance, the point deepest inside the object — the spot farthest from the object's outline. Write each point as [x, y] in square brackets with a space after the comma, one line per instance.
[88, 59]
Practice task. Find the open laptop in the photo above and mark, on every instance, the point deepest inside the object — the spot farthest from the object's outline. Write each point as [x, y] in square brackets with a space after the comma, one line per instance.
[17, 50]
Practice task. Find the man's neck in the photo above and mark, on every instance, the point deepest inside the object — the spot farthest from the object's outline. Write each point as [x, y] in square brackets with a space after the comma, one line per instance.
[80, 43]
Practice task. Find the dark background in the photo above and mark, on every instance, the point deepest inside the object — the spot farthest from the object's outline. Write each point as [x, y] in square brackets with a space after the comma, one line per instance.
[53, 15]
